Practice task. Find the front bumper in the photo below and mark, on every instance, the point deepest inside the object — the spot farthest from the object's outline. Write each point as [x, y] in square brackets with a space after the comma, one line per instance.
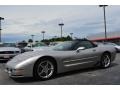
[15, 72]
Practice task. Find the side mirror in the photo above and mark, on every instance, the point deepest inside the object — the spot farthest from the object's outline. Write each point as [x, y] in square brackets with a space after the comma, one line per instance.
[80, 48]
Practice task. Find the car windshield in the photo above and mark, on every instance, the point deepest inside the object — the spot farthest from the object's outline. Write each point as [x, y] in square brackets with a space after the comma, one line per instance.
[65, 46]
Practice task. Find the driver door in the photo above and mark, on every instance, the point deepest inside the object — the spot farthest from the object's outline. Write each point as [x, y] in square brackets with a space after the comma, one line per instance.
[82, 58]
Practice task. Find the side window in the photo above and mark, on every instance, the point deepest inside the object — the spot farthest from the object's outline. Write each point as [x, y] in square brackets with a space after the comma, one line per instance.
[86, 44]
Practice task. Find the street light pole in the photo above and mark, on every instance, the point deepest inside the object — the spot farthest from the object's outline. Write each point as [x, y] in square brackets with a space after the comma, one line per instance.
[43, 32]
[71, 35]
[61, 25]
[104, 19]
[32, 37]
[0, 27]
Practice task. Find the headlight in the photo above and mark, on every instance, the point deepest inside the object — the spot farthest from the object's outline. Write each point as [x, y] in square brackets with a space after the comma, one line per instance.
[18, 71]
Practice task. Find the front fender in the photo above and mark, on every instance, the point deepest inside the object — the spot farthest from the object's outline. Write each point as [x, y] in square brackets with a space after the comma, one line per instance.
[28, 65]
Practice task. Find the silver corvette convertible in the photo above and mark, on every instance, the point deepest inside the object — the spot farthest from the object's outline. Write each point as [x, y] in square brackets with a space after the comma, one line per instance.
[67, 56]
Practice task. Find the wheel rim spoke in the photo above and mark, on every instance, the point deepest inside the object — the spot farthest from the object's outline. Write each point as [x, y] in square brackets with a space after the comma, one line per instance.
[46, 73]
[42, 66]
[41, 72]
[47, 64]
[50, 68]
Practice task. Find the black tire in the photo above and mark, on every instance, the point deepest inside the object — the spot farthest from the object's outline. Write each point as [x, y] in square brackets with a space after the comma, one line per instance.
[40, 68]
[105, 60]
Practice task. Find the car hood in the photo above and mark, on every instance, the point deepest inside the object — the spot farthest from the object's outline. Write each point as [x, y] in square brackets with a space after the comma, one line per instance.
[9, 49]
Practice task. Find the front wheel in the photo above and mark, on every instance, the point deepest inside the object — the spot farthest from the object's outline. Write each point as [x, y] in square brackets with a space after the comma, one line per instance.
[44, 69]
[105, 60]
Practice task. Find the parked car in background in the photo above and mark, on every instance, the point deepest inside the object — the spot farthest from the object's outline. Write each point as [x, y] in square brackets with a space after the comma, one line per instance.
[21, 45]
[67, 56]
[117, 47]
[34, 47]
[54, 43]
[27, 48]
[7, 45]
[40, 46]
[8, 51]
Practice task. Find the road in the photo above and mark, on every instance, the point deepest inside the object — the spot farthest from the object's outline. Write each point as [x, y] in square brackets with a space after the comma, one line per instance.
[91, 76]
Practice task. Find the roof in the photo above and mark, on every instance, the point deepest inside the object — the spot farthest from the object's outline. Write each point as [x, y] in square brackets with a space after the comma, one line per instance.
[110, 38]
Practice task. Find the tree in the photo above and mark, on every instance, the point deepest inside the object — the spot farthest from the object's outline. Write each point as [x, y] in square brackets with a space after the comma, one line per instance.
[30, 41]
[36, 41]
[54, 39]
[68, 38]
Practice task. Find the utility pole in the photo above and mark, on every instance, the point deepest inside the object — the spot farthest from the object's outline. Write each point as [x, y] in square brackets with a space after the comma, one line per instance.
[71, 35]
[61, 25]
[1, 18]
[32, 37]
[43, 32]
[104, 19]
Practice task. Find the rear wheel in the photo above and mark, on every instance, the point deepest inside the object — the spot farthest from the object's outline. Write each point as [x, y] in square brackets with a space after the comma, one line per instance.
[44, 69]
[105, 60]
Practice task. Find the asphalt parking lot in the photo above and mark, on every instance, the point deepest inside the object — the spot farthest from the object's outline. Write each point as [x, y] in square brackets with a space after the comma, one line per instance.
[91, 76]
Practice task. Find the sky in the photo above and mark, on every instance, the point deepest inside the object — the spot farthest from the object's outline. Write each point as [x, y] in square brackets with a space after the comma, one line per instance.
[82, 20]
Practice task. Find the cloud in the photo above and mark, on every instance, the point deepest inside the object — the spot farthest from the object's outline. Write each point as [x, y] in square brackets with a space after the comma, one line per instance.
[22, 21]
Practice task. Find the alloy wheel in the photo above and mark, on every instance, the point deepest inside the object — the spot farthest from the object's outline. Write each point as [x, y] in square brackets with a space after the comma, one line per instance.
[45, 69]
[106, 61]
